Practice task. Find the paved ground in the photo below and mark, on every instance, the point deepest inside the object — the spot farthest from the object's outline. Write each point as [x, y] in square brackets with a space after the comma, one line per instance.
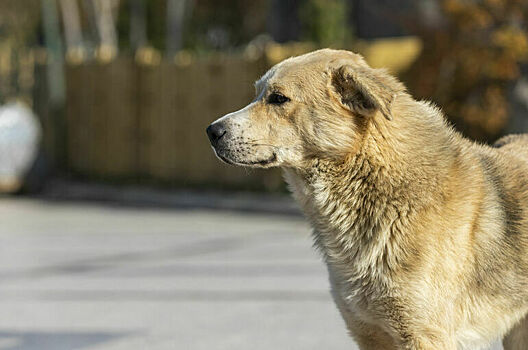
[91, 276]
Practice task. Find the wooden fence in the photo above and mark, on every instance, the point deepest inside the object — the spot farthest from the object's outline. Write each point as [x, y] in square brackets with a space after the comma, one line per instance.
[126, 121]
[134, 122]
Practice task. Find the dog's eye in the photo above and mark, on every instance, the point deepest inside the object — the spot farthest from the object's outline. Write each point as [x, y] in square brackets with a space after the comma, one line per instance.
[277, 99]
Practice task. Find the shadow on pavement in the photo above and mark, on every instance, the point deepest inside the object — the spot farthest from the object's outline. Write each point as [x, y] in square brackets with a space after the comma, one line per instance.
[17, 340]
[137, 196]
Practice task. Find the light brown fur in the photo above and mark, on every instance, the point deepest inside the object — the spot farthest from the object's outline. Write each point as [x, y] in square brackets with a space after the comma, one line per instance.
[425, 233]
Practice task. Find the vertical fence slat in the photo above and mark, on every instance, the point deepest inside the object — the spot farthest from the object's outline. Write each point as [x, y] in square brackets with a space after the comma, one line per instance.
[201, 84]
[174, 117]
[121, 121]
[79, 115]
[97, 122]
[149, 81]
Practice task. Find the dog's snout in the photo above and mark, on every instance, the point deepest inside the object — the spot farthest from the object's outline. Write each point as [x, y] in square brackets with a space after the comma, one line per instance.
[215, 132]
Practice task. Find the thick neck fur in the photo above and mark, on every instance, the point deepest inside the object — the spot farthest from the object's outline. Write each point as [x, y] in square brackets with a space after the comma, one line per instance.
[360, 206]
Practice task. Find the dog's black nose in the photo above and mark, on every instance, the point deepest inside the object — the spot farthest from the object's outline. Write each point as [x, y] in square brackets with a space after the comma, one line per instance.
[215, 132]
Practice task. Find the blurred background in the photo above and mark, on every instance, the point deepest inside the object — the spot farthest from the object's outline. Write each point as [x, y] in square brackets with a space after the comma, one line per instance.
[119, 228]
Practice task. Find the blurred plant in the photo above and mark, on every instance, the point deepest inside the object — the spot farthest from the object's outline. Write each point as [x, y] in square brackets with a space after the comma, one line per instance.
[325, 22]
[470, 60]
[19, 20]
[224, 24]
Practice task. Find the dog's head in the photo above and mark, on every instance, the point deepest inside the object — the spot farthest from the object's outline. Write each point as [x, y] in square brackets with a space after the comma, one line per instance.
[313, 106]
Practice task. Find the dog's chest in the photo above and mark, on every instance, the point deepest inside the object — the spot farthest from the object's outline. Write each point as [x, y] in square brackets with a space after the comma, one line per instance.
[348, 228]
[345, 236]
[358, 300]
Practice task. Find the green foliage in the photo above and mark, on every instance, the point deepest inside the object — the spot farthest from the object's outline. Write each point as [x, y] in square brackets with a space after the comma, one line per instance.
[19, 20]
[325, 22]
[468, 64]
[224, 24]
[157, 22]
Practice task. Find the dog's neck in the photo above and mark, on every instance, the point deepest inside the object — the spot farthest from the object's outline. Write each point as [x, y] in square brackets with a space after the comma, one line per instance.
[361, 205]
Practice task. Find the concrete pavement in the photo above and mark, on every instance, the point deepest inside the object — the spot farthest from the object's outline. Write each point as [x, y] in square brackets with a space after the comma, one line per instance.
[93, 277]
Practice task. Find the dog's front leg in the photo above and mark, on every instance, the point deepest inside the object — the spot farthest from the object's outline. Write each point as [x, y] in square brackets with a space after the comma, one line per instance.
[424, 344]
[367, 336]
[373, 337]
[426, 340]
[370, 337]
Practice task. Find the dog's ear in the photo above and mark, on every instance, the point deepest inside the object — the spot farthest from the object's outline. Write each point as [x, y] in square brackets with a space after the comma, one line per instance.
[365, 90]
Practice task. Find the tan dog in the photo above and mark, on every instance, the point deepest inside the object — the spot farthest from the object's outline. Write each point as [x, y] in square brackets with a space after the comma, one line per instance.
[425, 233]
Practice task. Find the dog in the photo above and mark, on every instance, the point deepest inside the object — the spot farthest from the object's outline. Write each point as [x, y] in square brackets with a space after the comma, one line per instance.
[424, 232]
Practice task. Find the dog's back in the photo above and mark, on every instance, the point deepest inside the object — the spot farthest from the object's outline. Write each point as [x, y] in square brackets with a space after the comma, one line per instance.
[511, 167]
[512, 157]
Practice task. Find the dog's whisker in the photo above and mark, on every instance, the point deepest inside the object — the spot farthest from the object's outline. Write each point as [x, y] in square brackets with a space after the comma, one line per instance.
[262, 144]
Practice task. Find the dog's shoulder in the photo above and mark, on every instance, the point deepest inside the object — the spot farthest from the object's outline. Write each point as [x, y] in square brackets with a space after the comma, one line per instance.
[512, 151]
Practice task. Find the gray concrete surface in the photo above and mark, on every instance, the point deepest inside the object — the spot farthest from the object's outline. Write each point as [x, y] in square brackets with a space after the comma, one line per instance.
[92, 277]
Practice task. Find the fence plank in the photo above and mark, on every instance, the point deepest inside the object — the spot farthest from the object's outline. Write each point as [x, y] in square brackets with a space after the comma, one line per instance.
[79, 115]
[121, 122]
[149, 112]
[175, 113]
